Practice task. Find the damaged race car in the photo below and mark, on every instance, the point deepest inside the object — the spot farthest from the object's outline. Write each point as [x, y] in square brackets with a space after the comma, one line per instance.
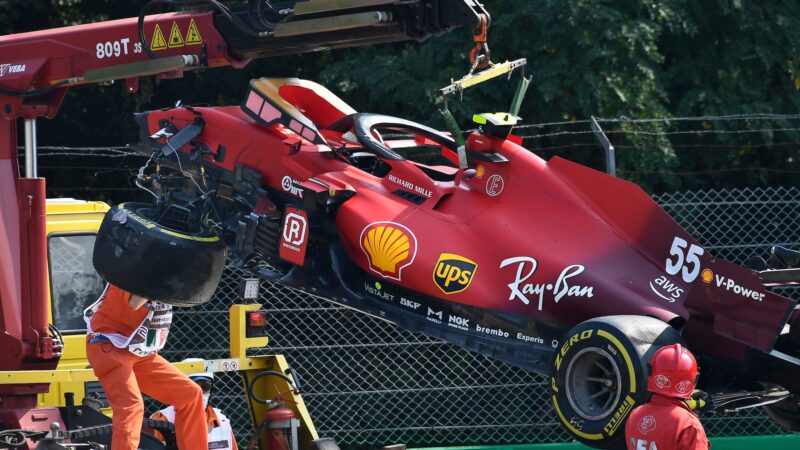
[546, 265]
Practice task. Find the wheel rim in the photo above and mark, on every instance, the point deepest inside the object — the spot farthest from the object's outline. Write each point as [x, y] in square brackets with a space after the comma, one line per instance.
[172, 218]
[593, 383]
[789, 407]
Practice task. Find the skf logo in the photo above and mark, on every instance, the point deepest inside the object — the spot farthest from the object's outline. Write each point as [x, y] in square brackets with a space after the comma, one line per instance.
[294, 238]
[453, 273]
[11, 68]
[390, 247]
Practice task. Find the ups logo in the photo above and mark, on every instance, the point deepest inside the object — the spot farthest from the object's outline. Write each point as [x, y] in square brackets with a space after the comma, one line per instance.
[453, 273]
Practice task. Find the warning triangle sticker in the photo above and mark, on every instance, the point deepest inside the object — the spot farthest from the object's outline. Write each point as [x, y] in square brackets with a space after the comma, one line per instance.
[175, 37]
[193, 35]
[158, 42]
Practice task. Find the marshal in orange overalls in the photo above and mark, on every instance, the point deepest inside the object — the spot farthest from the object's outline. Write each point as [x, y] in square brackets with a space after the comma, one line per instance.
[122, 347]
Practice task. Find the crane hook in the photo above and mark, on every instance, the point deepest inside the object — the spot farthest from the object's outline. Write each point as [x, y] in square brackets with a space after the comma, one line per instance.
[479, 56]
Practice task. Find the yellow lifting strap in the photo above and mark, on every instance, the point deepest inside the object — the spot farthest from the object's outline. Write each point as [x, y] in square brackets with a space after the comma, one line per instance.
[472, 79]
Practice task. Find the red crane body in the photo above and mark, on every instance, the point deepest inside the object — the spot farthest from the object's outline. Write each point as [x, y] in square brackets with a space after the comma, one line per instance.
[37, 69]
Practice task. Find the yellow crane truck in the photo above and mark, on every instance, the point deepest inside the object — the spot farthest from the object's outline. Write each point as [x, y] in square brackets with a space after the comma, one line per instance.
[73, 284]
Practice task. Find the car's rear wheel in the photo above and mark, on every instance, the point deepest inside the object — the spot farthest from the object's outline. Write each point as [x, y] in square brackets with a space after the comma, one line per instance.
[786, 413]
[599, 374]
[176, 261]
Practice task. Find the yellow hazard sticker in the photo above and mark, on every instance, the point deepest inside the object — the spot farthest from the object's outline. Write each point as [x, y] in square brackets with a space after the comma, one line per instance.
[193, 35]
[175, 36]
[158, 42]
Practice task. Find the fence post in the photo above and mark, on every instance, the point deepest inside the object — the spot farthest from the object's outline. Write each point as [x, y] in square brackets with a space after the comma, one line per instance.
[611, 162]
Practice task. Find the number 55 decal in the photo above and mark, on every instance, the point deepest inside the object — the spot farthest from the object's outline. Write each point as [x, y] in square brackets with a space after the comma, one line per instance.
[684, 259]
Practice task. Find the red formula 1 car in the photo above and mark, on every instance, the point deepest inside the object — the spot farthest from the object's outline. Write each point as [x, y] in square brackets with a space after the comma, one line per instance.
[547, 265]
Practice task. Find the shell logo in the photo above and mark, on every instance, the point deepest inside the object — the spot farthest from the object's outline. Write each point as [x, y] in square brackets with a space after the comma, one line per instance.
[707, 275]
[390, 247]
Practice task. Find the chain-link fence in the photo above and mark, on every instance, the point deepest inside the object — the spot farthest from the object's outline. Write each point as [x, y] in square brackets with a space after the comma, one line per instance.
[368, 383]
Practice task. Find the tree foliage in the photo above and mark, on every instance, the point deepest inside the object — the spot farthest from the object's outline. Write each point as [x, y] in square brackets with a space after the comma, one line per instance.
[634, 59]
[604, 58]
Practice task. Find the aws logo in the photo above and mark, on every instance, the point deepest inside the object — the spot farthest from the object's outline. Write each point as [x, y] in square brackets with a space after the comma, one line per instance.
[666, 289]
[453, 273]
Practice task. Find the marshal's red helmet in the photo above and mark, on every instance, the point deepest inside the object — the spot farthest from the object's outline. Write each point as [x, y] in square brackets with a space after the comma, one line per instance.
[673, 372]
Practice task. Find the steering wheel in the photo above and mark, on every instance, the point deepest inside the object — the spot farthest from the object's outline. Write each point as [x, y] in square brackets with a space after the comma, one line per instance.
[364, 123]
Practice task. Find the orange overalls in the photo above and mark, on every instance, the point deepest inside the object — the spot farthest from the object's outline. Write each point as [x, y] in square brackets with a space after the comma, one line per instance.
[122, 346]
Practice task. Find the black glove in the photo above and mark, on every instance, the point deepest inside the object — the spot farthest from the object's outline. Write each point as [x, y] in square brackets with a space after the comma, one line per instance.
[700, 402]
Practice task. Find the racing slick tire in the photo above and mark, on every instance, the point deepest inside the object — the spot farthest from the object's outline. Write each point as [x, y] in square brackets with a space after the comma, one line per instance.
[786, 413]
[181, 267]
[599, 374]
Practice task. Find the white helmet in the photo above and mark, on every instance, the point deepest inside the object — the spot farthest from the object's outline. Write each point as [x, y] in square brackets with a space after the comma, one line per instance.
[197, 376]
[203, 379]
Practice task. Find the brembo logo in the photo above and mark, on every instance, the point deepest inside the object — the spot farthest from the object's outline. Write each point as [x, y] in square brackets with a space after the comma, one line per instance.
[11, 69]
[389, 247]
[453, 273]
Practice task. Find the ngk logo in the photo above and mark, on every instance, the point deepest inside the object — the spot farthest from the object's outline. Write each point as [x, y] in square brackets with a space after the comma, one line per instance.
[458, 322]
[294, 237]
[11, 69]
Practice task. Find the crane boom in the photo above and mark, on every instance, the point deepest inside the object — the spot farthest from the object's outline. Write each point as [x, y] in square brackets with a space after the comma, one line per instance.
[38, 68]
